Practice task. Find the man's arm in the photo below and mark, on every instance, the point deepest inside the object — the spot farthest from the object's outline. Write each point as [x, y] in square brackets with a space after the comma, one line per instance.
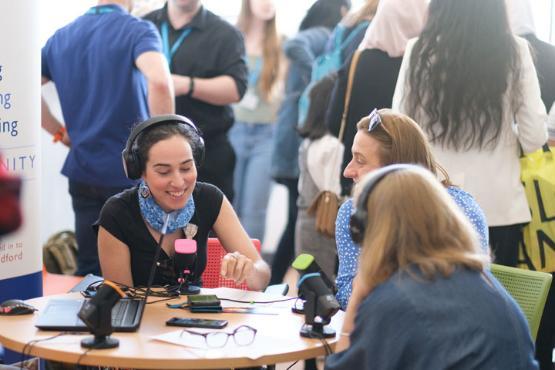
[220, 90]
[50, 123]
[154, 67]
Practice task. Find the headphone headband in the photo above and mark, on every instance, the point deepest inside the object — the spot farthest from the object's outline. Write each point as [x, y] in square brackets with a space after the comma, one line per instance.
[153, 121]
[131, 160]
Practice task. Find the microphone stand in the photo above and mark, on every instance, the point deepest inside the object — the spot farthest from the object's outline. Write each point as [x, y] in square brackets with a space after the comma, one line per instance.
[185, 287]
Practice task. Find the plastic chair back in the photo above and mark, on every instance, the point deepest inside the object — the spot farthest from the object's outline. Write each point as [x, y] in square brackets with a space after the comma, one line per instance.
[528, 288]
[211, 277]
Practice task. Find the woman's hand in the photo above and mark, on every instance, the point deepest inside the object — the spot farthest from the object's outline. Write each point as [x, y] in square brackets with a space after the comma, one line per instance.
[237, 267]
[360, 292]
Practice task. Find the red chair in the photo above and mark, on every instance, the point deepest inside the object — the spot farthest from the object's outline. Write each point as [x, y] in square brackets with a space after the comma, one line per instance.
[211, 277]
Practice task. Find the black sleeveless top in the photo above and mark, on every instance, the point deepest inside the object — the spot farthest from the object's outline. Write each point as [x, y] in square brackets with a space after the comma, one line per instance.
[121, 217]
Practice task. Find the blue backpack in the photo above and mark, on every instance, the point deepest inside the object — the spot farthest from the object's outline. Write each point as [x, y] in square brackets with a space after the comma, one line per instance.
[327, 63]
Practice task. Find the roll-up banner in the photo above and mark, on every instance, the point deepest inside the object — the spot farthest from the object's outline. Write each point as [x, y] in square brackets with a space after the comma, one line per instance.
[20, 89]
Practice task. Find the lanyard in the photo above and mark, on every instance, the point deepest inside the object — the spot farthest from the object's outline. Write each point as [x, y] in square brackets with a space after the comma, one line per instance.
[254, 74]
[100, 10]
[169, 53]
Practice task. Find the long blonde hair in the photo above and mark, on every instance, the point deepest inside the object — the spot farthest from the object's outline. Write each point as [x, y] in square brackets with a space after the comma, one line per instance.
[413, 222]
[271, 49]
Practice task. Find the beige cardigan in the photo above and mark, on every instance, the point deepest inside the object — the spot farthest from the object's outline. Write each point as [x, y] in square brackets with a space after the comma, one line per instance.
[492, 176]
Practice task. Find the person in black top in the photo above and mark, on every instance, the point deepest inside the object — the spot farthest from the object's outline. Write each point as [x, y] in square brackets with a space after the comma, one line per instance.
[206, 56]
[164, 156]
[376, 74]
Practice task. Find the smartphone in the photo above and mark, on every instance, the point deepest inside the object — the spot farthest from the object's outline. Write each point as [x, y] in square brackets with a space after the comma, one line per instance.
[196, 323]
[204, 300]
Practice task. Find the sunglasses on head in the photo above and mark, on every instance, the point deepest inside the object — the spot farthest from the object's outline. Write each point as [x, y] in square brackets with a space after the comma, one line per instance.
[375, 120]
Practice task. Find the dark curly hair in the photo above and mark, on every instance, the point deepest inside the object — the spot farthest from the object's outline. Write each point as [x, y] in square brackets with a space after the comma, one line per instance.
[462, 65]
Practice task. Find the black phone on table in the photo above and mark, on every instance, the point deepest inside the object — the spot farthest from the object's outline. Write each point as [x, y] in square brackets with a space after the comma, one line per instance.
[196, 323]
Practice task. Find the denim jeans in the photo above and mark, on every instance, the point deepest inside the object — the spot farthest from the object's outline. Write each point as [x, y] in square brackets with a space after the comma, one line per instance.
[87, 201]
[252, 144]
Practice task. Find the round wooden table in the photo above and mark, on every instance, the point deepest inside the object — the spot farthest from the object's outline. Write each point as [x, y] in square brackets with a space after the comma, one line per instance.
[277, 339]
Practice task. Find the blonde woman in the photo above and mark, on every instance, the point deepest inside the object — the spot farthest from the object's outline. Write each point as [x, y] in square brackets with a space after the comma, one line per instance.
[422, 298]
[252, 133]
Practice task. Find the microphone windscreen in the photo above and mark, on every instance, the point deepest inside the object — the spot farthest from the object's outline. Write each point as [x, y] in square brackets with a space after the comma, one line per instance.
[185, 246]
[185, 254]
[108, 293]
[303, 262]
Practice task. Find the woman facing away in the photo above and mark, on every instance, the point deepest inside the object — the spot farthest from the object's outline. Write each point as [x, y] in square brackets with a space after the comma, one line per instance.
[423, 298]
[472, 86]
[386, 137]
[381, 53]
[164, 152]
[252, 134]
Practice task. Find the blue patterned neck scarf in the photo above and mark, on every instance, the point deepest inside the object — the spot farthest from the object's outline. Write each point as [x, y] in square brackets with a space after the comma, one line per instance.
[155, 215]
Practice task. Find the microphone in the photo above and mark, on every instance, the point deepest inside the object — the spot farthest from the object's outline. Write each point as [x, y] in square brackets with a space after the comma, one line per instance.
[306, 264]
[96, 313]
[319, 307]
[185, 260]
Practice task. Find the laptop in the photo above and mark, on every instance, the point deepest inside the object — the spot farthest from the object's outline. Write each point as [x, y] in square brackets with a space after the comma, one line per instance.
[61, 315]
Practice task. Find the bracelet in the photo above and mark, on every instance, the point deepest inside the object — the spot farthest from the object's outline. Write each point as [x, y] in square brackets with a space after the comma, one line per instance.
[345, 334]
[191, 87]
[59, 135]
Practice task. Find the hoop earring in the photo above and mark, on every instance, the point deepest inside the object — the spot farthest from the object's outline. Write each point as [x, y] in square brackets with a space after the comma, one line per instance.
[145, 191]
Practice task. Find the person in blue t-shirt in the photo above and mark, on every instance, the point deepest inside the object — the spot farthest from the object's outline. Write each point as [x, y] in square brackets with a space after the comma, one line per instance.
[110, 73]
[386, 137]
[423, 298]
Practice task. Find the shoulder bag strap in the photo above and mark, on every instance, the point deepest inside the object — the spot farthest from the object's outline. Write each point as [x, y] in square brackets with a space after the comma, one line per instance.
[352, 71]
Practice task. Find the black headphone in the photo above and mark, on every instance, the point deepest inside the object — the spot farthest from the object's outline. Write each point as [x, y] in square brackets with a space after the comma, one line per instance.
[359, 219]
[132, 163]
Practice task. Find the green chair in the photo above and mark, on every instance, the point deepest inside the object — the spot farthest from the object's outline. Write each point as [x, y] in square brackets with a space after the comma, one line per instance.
[528, 288]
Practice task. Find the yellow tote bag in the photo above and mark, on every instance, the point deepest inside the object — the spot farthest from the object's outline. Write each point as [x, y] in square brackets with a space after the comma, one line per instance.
[537, 247]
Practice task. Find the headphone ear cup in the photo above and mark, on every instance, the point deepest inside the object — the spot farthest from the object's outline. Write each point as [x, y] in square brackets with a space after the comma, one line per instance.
[131, 164]
[357, 226]
[199, 151]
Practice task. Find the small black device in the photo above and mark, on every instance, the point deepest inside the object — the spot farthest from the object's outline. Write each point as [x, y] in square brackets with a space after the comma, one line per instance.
[203, 300]
[196, 323]
[16, 307]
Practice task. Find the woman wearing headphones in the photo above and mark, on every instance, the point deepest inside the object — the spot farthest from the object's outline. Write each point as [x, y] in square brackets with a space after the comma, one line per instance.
[423, 298]
[386, 137]
[164, 152]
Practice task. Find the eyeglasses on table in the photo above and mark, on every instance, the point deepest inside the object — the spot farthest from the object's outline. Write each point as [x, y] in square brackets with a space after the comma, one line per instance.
[242, 336]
